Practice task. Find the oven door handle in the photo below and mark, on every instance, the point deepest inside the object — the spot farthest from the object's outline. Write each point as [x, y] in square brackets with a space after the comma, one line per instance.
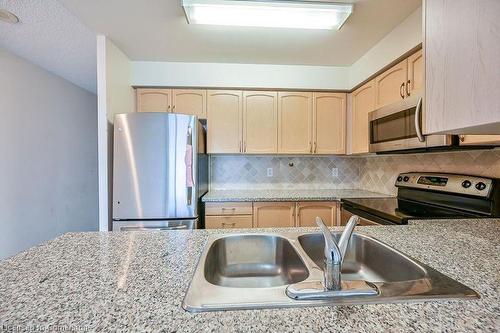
[418, 119]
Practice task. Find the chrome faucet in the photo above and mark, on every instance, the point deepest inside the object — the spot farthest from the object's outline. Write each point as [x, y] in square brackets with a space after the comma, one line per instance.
[335, 252]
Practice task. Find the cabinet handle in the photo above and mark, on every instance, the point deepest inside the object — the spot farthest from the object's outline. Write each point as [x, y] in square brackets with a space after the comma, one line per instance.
[315, 147]
[310, 147]
[408, 88]
[228, 224]
[461, 137]
[240, 147]
[228, 208]
[168, 108]
[401, 90]
[173, 108]
[244, 146]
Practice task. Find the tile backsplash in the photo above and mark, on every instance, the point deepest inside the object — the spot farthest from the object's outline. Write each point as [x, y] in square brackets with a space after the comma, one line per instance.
[373, 173]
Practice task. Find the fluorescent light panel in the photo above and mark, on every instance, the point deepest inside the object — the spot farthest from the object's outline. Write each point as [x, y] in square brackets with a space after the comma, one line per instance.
[274, 14]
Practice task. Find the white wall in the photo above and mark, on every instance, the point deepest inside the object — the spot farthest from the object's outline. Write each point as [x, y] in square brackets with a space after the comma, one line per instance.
[48, 156]
[404, 37]
[115, 95]
[184, 74]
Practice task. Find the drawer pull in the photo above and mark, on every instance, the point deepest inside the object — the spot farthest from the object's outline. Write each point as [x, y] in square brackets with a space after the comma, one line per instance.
[228, 208]
[228, 224]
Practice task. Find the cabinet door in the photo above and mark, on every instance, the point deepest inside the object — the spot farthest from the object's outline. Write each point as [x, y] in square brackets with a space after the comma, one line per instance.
[415, 80]
[190, 101]
[390, 85]
[329, 120]
[308, 211]
[273, 214]
[493, 140]
[363, 102]
[295, 123]
[224, 113]
[260, 122]
[462, 70]
[228, 221]
[154, 100]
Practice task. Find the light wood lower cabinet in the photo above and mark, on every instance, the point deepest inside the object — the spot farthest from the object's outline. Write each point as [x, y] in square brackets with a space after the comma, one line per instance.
[415, 80]
[228, 208]
[273, 214]
[308, 211]
[228, 221]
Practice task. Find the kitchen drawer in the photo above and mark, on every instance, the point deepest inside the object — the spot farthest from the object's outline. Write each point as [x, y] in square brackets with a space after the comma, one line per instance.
[228, 208]
[228, 222]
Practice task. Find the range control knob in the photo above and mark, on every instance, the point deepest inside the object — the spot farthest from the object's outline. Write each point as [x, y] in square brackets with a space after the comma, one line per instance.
[400, 178]
[406, 178]
[480, 186]
[466, 183]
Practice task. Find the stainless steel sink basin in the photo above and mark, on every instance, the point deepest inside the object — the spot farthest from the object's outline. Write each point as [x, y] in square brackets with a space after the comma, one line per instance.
[249, 271]
[366, 259]
[253, 261]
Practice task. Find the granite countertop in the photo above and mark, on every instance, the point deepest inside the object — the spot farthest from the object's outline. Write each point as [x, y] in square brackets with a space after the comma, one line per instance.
[287, 195]
[136, 281]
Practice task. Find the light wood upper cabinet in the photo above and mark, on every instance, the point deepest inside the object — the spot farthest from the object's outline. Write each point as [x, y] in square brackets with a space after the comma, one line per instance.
[224, 117]
[295, 122]
[415, 81]
[308, 211]
[184, 101]
[329, 119]
[153, 100]
[390, 85]
[462, 69]
[363, 102]
[260, 122]
[273, 214]
[190, 101]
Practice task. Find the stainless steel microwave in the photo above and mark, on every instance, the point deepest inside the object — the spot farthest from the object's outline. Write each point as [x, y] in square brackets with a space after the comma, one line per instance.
[398, 127]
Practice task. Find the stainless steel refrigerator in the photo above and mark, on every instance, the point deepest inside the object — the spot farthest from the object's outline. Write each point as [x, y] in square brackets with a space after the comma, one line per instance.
[160, 171]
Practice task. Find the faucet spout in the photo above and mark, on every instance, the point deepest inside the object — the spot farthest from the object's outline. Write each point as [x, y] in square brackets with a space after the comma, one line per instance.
[335, 253]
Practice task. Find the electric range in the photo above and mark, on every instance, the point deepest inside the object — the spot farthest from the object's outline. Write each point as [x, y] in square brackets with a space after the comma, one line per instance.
[430, 196]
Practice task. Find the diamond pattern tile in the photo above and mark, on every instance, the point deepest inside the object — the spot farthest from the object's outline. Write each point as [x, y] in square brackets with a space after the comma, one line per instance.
[372, 173]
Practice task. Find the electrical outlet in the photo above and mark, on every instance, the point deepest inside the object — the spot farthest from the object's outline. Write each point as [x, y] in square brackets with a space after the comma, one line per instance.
[269, 172]
[335, 172]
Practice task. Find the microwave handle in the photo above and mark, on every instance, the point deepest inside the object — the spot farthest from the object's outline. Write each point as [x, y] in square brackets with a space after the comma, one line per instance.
[418, 117]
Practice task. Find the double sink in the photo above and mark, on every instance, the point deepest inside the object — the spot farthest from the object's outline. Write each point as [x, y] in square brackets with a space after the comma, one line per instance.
[252, 271]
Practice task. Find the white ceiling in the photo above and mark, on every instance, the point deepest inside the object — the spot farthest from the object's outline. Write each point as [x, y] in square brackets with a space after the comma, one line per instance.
[156, 30]
[50, 36]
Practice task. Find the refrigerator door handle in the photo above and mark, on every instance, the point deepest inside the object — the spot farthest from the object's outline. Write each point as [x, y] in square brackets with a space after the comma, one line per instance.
[189, 166]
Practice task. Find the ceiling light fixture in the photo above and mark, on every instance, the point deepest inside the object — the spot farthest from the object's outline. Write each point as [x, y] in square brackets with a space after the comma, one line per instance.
[8, 17]
[275, 14]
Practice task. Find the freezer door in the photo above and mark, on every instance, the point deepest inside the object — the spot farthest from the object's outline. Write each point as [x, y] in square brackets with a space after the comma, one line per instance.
[154, 166]
[155, 225]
